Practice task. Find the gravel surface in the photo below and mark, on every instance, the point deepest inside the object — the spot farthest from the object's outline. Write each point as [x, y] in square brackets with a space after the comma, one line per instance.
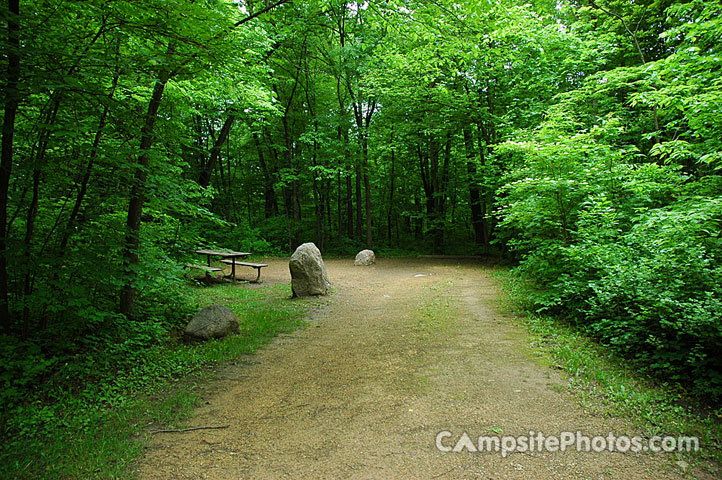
[403, 350]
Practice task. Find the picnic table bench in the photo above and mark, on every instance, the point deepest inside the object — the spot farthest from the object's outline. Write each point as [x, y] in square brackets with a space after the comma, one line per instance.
[204, 268]
[230, 258]
[257, 266]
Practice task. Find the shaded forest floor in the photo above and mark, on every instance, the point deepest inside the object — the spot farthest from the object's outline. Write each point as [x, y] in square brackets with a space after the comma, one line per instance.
[403, 350]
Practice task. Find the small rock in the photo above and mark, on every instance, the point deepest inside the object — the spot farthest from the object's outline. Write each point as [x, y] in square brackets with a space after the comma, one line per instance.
[365, 257]
[215, 321]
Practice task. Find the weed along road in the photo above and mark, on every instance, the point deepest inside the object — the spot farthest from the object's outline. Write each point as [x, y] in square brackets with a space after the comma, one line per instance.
[397, 376]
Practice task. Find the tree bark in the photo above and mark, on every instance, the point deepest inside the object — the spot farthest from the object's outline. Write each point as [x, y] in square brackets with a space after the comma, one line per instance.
[486, 136]
[6, 157]
[339, 210]
[367, 192]
[362, 123]
[359, 206]
[392, 186]
[270, 202]
[137, 197]
[27, 244]
[349, 207]
[88, 170]
[474, 198]
[205, 177]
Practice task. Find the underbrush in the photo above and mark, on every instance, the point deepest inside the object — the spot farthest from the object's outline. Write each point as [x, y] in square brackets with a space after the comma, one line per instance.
[87, 420]
[608, 384]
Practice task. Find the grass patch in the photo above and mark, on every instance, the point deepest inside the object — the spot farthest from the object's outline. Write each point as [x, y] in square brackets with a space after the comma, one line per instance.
[437, 314]
[98, 431]
[607, 385]
[426, 325]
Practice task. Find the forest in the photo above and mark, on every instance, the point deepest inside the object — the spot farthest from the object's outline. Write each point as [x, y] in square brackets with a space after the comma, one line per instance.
[580, 141]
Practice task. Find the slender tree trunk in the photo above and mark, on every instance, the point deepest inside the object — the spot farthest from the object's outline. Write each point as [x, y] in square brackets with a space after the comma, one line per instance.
[6, 157]
[137, 194]
[231, 197]
[318, 204]
[367, 192]
[27, 244]
[359, 202]
[474, 198]
[434, 200]
[88, 171]
[392, 186]
[349, 207]
[485, 138]
[329, 218]
[42, 146]
[296, 208]
[339, 209]
[417, 226]
[223, 190]
[205, 177]
[440, 197]
[269, 193]
[362, 123]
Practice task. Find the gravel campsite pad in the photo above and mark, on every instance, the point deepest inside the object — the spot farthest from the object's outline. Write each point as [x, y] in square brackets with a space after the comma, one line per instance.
[402, 350]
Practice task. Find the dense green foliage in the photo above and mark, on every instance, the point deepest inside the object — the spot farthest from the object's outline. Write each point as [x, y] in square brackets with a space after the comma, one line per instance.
[616, 207]
[583, 140]
[86, 421]
[607, 384]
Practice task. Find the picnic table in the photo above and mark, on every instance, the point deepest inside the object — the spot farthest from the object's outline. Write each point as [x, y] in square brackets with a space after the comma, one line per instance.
[225, 255]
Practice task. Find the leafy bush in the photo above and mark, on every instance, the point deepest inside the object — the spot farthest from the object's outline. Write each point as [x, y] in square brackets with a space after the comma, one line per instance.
[631, 251]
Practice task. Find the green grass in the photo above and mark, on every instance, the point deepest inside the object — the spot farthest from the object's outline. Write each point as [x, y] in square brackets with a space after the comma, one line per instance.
[607, 385]
[100, 430]
[427, 323]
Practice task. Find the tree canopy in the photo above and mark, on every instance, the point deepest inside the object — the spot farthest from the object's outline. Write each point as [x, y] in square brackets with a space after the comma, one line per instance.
[581, 140]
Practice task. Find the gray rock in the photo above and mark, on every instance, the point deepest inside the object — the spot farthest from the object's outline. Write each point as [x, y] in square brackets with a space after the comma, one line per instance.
[308, 273]
[365, 257]
[215, 321]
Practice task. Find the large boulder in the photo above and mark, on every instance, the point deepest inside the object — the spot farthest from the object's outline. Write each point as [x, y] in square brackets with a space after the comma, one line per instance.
[215, 321]
[308, 273]
[365, 257]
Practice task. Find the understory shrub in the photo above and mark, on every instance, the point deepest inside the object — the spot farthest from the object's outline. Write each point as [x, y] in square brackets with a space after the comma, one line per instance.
[631, 252]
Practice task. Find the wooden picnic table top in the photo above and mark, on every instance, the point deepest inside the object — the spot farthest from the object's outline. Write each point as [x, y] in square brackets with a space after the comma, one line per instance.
[222, 253]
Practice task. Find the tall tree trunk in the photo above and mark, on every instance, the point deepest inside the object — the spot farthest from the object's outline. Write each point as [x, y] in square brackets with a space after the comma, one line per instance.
[474, 198]
[349, 207]
[440, 197]
[359, 205]
[485, 137]
[12, 98]
[137, 197]
[339, 209]
[367, 192]
[48, 118]
[205, 176]
[296, 208]
[27, 246]
[88, 168]
[435, 199]
[329, 218]
[318, 201]
[392, 186]
[362, 123]
[270, 202]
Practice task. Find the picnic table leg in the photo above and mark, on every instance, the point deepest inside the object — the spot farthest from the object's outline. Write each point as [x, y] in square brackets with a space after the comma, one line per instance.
[209, 260]
[258, 277]
[233, 269]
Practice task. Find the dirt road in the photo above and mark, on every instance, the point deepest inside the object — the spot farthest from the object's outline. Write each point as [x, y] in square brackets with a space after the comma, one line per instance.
[404, 350]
